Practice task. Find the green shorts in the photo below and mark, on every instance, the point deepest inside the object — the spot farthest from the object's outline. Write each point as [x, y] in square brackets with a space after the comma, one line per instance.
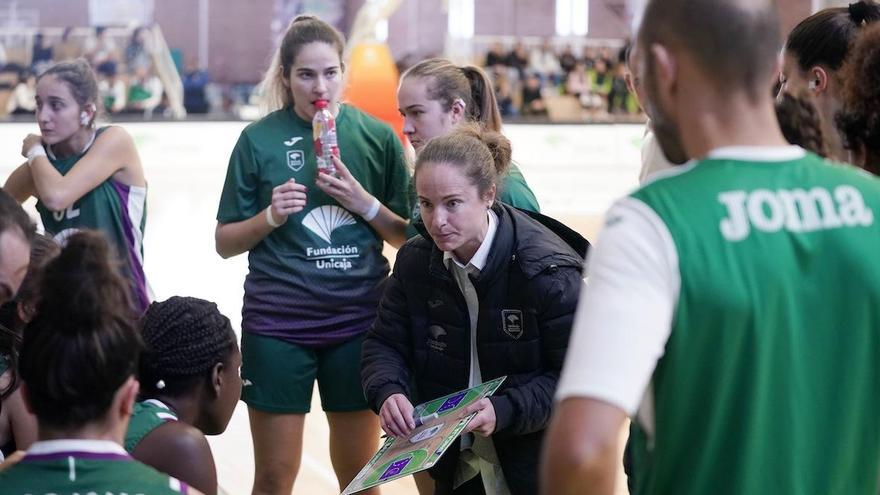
[279, 376]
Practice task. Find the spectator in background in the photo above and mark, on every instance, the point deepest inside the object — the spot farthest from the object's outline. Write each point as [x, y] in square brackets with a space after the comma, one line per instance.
[139, 52]
[618, 96]
[67, 48]
[496, 56]
[544, 62]
[567, 60]
[112, 91]
[195, 83]
[101, 51]
[576, 83]
[606, 54]
[503, 91]
[518, 58]
[144, 91]
[600, 81]
[532, 98]
[589, 56]
[22, 101]
[42, 54]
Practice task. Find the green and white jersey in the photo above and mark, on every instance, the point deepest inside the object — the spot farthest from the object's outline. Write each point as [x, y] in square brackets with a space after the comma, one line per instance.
[71, 467]
[317, 279]
[146, 417]
[116, 209]
[733, 308]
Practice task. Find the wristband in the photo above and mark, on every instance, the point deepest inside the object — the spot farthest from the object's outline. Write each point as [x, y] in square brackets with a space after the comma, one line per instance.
[270, 219]
[35, 151]
[373, 211]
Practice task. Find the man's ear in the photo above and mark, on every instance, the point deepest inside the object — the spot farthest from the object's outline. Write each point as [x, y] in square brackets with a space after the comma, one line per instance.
[665, 68]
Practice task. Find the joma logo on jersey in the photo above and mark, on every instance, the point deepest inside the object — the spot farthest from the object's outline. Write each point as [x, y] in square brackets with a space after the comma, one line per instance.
[795, 210]
[295, 160]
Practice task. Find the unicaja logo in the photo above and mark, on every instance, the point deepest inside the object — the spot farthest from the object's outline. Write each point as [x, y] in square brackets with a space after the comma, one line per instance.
[324, 220]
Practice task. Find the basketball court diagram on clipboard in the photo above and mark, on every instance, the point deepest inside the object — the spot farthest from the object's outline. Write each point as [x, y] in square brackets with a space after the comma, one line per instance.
[438, 423]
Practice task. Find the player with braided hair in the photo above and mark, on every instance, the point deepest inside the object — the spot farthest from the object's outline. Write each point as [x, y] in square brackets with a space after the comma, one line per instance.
[78, 362]
[189, 387]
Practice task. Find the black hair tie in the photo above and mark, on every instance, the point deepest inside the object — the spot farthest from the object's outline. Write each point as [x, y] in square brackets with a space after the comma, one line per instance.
[858, 12]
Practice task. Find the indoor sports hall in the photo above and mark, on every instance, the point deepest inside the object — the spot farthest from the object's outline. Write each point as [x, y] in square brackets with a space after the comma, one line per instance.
[183, 79]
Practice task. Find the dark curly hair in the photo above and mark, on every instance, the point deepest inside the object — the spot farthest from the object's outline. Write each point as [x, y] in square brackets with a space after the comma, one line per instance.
[859, 119]
[184, 338]
[800, 122]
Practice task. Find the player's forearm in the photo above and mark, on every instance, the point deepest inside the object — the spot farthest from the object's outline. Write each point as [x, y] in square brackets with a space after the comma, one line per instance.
[577, 471]
[20, 184]
[581, 448]
[232, 239]
[390, 227]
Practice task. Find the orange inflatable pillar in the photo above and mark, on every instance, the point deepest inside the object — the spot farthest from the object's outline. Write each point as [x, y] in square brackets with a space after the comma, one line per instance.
[372, 83]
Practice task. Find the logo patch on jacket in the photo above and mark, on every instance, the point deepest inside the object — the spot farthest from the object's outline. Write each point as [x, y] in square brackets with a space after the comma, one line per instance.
[434, 341]
[512, 323]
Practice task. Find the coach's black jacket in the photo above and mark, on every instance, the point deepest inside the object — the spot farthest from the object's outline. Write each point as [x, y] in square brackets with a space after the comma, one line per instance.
[528, 292]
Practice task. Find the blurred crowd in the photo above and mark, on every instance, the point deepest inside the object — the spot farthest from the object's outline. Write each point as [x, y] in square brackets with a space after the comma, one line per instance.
[125, 63]
[527, 78]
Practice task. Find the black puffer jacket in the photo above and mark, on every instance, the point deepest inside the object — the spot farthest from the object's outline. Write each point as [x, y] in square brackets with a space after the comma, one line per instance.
[528, 292]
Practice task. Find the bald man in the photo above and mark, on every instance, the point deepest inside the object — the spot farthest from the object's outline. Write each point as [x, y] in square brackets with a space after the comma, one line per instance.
[733, 305]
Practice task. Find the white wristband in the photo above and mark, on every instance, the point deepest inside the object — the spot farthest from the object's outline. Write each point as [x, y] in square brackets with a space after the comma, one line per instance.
[270, 219]
[373, 211]
[35, 151]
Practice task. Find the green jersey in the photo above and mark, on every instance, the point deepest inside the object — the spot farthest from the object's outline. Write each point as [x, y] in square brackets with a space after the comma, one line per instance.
[146, 417]
[118, 210]
[71, 467]
[731, 307]
[317, 279]
[514, 191]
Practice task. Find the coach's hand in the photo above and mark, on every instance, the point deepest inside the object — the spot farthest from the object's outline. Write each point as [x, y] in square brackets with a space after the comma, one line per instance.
[483, 423]
[396, 416]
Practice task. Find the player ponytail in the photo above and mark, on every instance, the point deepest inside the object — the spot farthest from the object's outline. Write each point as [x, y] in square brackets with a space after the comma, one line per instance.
[82, 344]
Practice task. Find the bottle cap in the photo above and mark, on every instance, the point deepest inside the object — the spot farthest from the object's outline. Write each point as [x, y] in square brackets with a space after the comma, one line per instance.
[321, 104]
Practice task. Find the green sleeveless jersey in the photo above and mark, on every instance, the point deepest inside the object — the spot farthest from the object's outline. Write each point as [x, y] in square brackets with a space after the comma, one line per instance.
[146, 417]
[117, 210]
[70, 467]
[776, 333]
[757, 359]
